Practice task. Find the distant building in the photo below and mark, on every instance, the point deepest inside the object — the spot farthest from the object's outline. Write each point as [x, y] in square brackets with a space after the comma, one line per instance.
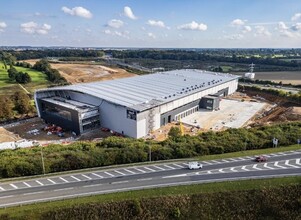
[251, 74]
[133, 106]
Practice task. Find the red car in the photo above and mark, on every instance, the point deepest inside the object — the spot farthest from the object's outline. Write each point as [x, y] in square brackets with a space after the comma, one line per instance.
[261, 159]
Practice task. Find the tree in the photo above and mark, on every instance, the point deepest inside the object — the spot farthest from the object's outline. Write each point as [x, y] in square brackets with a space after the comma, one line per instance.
[174, 132]
[12, 72]
[22, 103]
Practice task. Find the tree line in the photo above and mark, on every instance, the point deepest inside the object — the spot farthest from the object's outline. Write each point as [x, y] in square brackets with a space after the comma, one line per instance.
[117, 150]
[18, 76]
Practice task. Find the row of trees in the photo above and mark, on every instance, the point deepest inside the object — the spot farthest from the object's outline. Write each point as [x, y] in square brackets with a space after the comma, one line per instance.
[116, 150]
[19, 77]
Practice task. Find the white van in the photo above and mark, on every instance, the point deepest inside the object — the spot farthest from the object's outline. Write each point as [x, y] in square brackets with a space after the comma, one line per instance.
[194, 165]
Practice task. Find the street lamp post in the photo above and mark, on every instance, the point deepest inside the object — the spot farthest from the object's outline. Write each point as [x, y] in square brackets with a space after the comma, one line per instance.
[43, 164]
[150, 153]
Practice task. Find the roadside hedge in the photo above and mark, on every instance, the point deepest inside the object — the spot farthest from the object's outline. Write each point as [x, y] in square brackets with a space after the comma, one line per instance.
[116, 150]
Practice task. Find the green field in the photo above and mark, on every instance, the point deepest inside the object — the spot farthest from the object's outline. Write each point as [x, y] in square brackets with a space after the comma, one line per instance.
[39, 80]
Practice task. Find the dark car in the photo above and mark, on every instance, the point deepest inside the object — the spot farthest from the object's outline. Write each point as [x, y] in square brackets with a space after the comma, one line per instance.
[261, 159]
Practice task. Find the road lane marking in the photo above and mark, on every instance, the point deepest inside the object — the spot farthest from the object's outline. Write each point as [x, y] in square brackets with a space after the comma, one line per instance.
[244, 168]
[214, 161]
[4, 197]
[75, 178]
[92, 185]
[209, 172]
[2, 188]
[266, 166]
[32, 193]
[227, 161]
[205, 162]
[50, 180]
[255, 167]
[26, 184]
[95, 174]
[14, 186]
[185, 164]
[123, 174]
[142, 171]
[172, 168]
[149, 169]
[274, 155]
[240, 158]
[37, 181]
[233, 169]
[119, 182]
[287, 163]
[280, 153]
[129, 171]
[248, 157]
[276, 165]
[63, 189]
[221, 171]
[63, 179]
[177, 165]
[146, 179]
[160, 168]
[89, 178]
[109, 174]
[298, 161]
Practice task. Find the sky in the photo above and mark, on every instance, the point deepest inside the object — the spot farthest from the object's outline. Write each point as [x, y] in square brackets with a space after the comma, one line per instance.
[151, 23]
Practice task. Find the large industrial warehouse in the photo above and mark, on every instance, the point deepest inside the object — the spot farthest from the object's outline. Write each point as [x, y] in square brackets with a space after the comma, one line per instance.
[133, 106]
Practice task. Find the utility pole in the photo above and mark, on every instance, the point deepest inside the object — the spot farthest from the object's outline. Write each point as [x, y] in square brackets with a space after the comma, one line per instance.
[43, 164]
[150, 153]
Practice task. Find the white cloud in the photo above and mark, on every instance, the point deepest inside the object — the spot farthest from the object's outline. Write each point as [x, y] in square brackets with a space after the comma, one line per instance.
[296, 16]
[237, 22]
[2, 26]
[124, 34]
[34, 28]
[296, 27]
[287, 33]
[114, 23]
[282, 26]
[77, 11]
[107, 32]
[235, 37]
[246, 29]
[156, 23]
[193, 26]
[262, 31]
[129, 13]
[151, 35]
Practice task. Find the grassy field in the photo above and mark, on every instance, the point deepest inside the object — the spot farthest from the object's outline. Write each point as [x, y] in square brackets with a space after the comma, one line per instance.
[39, 80]
[36, 210]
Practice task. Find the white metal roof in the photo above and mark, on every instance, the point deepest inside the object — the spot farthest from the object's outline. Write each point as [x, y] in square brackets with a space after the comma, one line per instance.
[143, 92]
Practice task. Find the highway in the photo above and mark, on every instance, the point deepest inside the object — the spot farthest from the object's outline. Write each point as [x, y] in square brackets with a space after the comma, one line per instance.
[48, 188]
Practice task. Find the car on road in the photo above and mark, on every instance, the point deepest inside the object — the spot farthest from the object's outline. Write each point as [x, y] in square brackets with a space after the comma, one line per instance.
[261, 159]
[194, 165]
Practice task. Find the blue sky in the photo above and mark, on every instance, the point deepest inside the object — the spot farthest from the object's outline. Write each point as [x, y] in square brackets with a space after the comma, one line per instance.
[151, 23]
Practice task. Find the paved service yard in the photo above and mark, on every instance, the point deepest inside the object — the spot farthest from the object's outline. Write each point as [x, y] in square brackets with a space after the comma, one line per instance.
[232, 114]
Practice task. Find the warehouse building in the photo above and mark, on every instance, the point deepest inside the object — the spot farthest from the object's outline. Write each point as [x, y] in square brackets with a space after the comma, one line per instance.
[134, 106]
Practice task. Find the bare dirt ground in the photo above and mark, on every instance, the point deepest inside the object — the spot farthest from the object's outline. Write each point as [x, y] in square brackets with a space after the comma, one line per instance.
[79, 73]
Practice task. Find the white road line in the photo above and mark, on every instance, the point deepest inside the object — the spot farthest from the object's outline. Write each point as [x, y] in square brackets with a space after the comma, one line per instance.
[227, 161]
[14, 186]
[32, 193]
[37, 181]
[276, 165]
[95, 174]
[244, 168]
[255, 167]
[129, 171]
[123, 174]
[63, 179]
[221, 171]
[248, 157]
[287, 163]
[232, 159]
[26, 184]
[110, 174]
[233, 169]
[3, 197]
[240, 158]
[75, 178]
[280, 153]
[86, 176]
[172, 168]
[63, 189]
[177, 165]
[185, 164]
[206, 162]
[93, 185]
[209, 172]
[50, 180]
[266, 166]
[160, 168]
[298, 161]
[120, 182]
[2, 188]
[273, 155]
[214, 161]
[146, 179]
[149, 169]
[142, 171]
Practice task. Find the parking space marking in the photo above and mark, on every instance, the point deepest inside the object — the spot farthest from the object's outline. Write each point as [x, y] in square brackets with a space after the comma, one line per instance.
[178, 165]
[14, 186]
[109, 174]
[2, 188]
[266, 166]
[95, 174]
[255, 167]
[86, 176]
[287, 163]
[276, 165]
[129, 171]
[185, 164]
[172, 168]
[149, 169]
[206, 162]
[160, 168]
[123, 174]
[249, 157]
[26, 184]
[37, 181]
[244, 168]
[227, 161]
[221, 171]
[50, 180]
[233, 169]
[214, 161]
[298, 161]
[142, 171]
[75, 178]
[63, 179]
